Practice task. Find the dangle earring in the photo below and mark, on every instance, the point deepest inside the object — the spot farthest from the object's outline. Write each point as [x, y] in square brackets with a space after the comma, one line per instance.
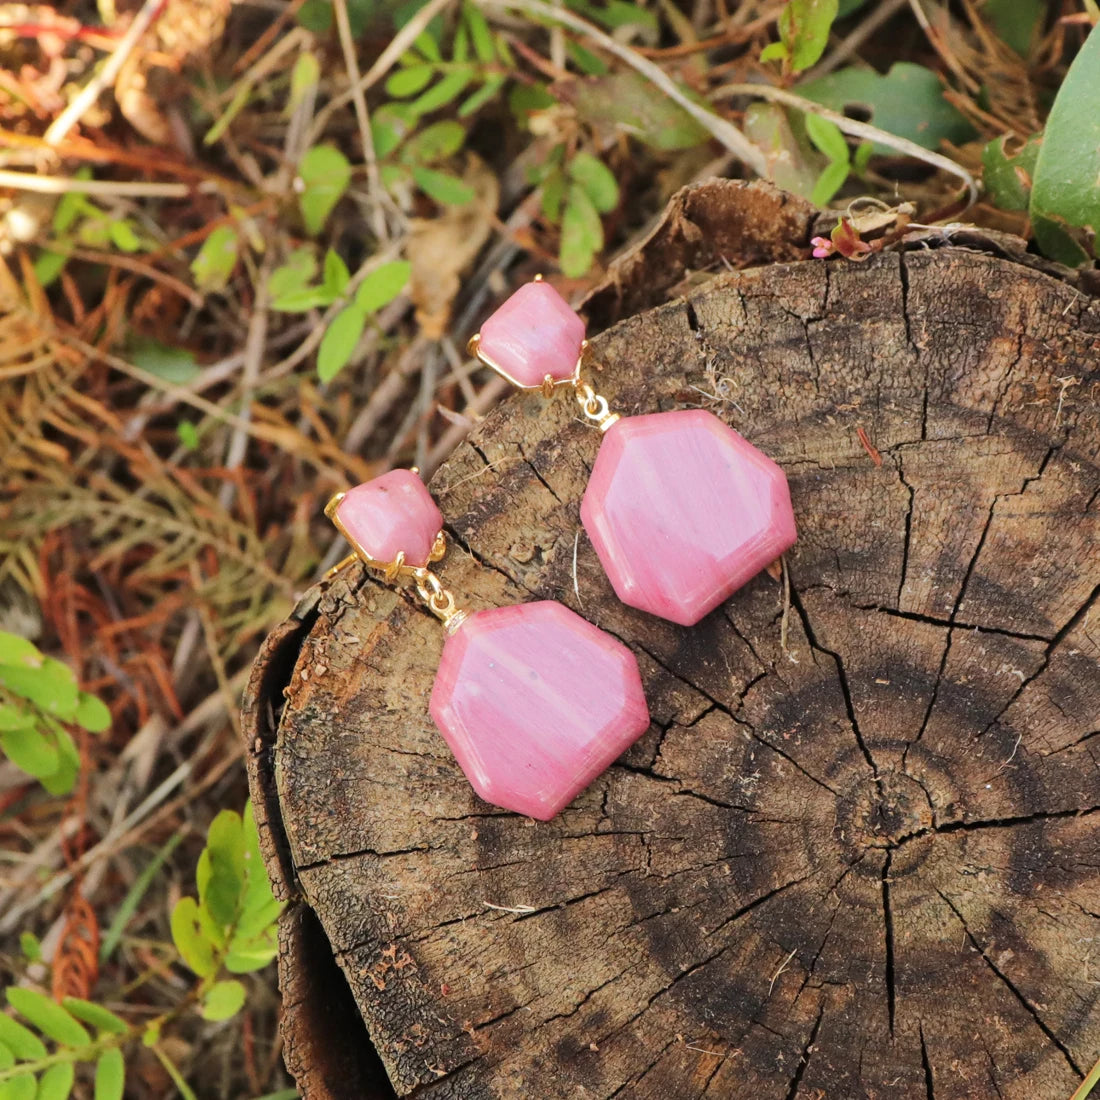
[533, 700]
[681, 510]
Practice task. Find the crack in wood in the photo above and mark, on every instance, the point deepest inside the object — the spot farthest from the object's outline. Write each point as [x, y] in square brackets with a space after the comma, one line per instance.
[1026, 1004]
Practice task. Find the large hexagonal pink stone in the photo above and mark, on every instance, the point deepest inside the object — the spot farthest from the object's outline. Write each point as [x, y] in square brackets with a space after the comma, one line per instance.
[532, 335]
[535, 702]
[683, 511]
[389, 514]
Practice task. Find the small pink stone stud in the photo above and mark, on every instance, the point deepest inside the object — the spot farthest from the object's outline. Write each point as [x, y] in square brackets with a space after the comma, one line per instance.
[534, 702]
[681, 510]
[532, 336]
[392, 514]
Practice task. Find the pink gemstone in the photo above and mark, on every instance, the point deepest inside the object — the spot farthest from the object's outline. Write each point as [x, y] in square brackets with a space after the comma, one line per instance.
[534, 334]
[535, 702]
[389, 514]
[683, 511]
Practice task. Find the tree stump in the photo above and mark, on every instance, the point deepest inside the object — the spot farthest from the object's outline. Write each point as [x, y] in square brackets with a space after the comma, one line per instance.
[857, 854]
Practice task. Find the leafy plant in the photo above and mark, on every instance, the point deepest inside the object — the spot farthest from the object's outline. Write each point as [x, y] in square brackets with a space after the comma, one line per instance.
[574, 195]
[293, 291]
[804, 27]
[230, 928]
[38, 697]
[79, 222]
[1065, 199]
[426, 81]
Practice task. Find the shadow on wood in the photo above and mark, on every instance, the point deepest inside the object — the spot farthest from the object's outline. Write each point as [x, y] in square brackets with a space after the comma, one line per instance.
[857, 854]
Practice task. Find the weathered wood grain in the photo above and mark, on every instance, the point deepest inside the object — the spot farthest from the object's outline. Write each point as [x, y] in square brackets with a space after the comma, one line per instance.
[857, 854]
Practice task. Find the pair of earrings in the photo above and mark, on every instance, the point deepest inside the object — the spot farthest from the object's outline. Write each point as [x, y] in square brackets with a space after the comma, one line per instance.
[533, 700]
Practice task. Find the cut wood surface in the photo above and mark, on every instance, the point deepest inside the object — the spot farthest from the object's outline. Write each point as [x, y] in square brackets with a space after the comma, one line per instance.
[858, 852]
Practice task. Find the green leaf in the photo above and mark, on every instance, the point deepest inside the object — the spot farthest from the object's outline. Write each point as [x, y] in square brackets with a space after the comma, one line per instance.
[99, 1017]
[316, 16]
[175, 365]
[390, 124]
[325, 173]
[1065, 195]
[57, 1082]
[225, 852]
[589, 63]
[774, 51]
[828, 138]
[382, 285]
[31, 946]
[908, 101]
[7, 1059]
[597, 180]
[434, 142]
[48, 265]
[804, 27]
[1007, 177]
[22, 1087]
[295, 274]
[110, 1075]
[194, 947]
[92, 714]
[337, 275]
[409, 81]
[61, 782]
[255, 955]
[829, 182]
[627, 102]
[15, 650]
[14, 718]
[73, 204]
[302, 301]
[553, 195]
[123, 236]
[305, 76]
[188, 434]
[447, 90]
[29, 750]
[222, 1000]
[443, 187]
[475, 102]
[339, 340]
[257, 894]
[480, 35]
[216, 260]
[525, 99]
[460, 48]
[51, 687]
[20, 1040]
[1016, 21]
[581, 233]
[48, 1016]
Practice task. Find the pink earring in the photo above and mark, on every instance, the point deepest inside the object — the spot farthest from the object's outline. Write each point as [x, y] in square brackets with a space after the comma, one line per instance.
[533, 701]
[682, 511]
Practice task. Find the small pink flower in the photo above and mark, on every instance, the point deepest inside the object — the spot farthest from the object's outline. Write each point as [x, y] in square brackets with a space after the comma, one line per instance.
[822, 247]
